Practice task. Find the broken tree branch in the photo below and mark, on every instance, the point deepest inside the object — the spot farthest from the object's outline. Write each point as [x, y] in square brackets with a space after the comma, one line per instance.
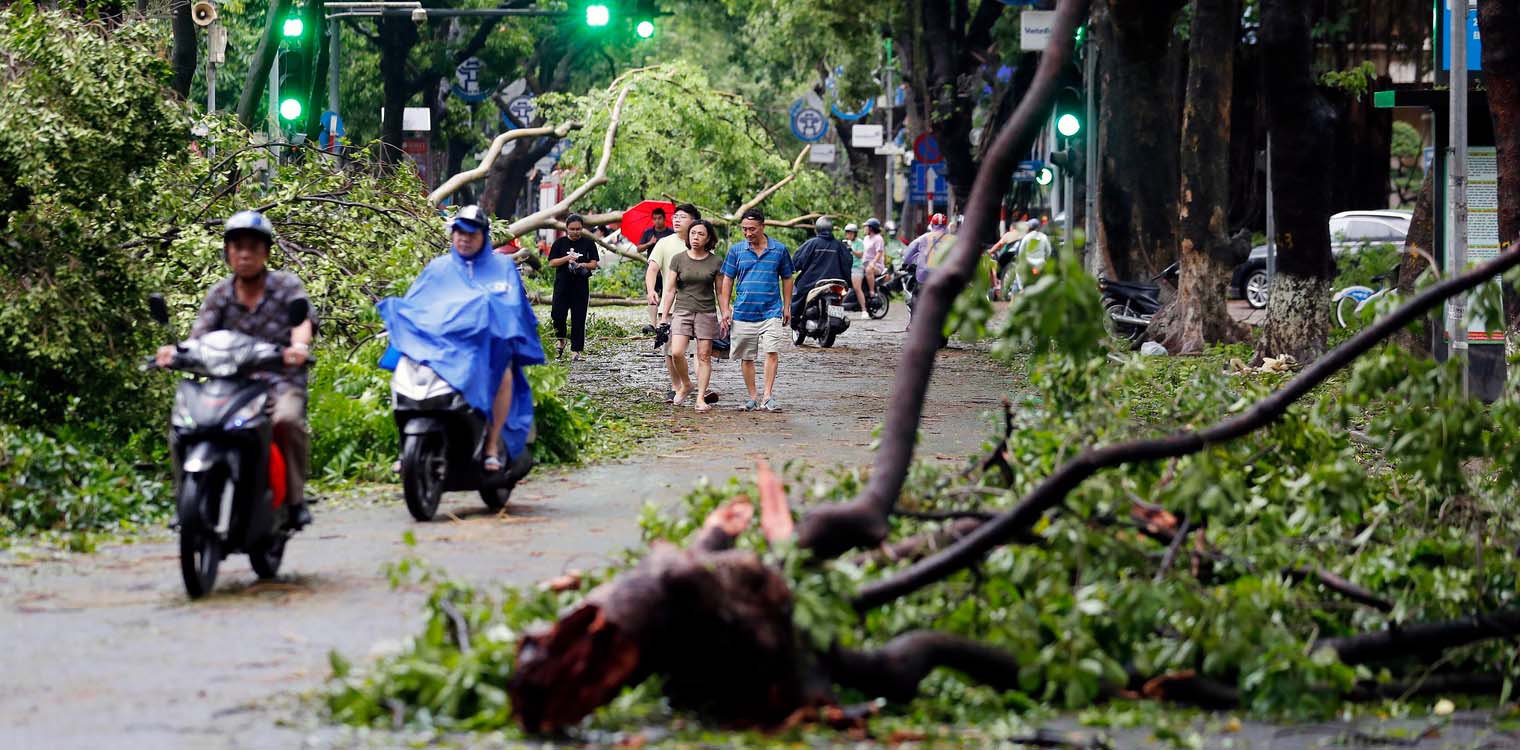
[598, 178]
[1055, 487]
[453, 184]
[736, 216]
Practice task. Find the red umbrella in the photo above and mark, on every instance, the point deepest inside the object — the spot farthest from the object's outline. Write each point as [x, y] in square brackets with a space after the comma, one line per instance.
[638, 218]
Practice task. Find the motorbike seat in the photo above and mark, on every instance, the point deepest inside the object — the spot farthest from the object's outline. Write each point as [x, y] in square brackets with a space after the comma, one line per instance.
[1132, 288]
[824, 285]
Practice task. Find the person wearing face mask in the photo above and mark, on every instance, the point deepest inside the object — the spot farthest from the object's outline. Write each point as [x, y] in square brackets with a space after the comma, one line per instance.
[467, 316]
[573, 257]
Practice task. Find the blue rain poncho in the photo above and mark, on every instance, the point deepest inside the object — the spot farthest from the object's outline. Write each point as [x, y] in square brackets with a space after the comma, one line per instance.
[470, 319]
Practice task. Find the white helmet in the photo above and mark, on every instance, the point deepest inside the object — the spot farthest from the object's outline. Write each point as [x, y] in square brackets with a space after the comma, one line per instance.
[851, 227]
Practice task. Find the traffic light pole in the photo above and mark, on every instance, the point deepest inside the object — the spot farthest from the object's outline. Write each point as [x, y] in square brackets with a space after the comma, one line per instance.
[335, 53]
[1090, 161]
[274, 98]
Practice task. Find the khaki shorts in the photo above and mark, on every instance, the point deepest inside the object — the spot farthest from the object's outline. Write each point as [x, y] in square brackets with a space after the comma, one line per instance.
[695, 325]
[747, 340]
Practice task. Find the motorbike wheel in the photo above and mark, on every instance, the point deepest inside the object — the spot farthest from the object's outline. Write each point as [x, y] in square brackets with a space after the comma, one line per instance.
[266, 557]
[496, 498]
[199, 550]
[423, 460]
[1122, 332]
[828, 339]
[878, 305]
[799, 334]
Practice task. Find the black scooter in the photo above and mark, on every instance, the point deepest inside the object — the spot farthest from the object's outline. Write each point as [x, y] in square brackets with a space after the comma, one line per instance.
[230, 480]
[1128, 305]
[443, 442]
[878, 303]
[823, 317]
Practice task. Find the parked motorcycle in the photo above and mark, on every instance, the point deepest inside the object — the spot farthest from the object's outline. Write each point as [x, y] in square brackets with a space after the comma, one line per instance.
[1129, 305]
[823, 313]
[443, 442]
[231, 492]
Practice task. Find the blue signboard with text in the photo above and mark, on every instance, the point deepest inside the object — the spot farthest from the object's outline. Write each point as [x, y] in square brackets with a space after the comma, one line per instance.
[1474, 43]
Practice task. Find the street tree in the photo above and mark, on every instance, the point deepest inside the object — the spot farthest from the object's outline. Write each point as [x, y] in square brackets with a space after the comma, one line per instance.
[1197, 315]
[1499, 25]
[1302, 125]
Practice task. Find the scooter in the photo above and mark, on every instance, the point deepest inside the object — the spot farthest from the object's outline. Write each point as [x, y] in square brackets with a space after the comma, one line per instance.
[877, 303]
[823, 316]
[1128, 306]
[443, 442]
[231, 491]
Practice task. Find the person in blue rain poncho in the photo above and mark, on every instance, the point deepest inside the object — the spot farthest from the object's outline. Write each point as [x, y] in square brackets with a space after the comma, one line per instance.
[467, 316]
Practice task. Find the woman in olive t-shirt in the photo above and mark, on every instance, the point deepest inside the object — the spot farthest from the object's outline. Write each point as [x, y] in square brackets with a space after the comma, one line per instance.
[690, 304]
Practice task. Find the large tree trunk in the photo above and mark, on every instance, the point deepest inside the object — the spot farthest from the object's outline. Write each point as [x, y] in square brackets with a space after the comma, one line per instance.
[184, 48]
[1419, 245]
[1303, 132]
[263, 59]
[316, 92]
[1198, 314]
[1138, 136]
[1363, 139]
[398, 35]
[955, 46]
[1248, 141]
[1499, 24]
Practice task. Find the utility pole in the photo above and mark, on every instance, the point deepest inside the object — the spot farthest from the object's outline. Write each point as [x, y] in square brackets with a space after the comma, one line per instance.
[1090, 166]
[1456, 161]
[890, 99]
[1271, 221]
[334, 55]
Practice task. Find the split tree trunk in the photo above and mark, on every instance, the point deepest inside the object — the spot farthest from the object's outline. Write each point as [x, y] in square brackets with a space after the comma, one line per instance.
[263, 58]
[1303, 130]
[1499, 23]
[1419, 246]
[1198, 315]
[1138, 132]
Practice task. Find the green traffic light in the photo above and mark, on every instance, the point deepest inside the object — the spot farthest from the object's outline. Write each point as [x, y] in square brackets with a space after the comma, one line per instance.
[645, 29]
[290, 109]
[1068, 125]
[597, 15]
[293, 28]
[1045, 176]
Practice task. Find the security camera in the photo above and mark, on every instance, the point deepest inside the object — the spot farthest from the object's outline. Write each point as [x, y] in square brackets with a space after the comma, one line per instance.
[419, 16]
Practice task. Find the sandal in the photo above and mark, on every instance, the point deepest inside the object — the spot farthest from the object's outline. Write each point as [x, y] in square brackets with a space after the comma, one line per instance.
[703, 402]
[679, 399]
[492, 464]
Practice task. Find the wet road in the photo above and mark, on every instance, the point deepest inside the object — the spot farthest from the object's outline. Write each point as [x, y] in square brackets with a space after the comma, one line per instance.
[103, 650]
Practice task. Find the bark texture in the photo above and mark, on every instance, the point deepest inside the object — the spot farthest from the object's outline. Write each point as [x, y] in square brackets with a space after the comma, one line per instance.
[1419, 248]
[1499, 24]
[1198, 315]
[398, 35]
[1303, 130]
[1138, 134]
[954, 45]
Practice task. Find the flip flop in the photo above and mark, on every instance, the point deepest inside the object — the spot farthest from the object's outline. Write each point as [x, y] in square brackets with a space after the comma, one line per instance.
[492, 464]
[701, 406]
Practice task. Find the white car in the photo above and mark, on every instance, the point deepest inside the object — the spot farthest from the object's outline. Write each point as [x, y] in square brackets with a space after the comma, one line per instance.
[1350, 231]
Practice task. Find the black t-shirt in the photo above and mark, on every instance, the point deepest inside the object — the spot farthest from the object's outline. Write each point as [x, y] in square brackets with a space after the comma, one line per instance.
[653, 234]
[564, 276]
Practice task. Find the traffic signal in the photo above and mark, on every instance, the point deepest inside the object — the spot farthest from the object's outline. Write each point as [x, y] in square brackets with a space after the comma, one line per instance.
[597, 15]
[1045, 176]
[645, 29]
[1070, 161]
[296, 63]
[1069, 111]
[293, 28]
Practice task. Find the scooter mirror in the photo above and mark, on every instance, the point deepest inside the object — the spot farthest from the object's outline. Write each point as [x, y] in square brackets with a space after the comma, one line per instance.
[298, 310]
[158, 309]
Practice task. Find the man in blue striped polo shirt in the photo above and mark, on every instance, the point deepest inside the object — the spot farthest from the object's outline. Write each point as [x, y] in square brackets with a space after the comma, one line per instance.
[760, 317]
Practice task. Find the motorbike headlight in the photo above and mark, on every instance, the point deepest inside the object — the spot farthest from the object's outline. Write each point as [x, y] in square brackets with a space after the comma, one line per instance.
[247, 414]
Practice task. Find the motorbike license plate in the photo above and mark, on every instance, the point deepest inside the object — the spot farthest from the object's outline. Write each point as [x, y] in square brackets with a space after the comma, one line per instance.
[836, 311]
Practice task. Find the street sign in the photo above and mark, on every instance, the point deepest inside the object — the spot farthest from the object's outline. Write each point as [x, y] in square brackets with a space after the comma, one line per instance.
[926, 149]
[822, 153]
[888, 149]
[927, 179]
[1028, 170]
[867, 136]
[414, 119]
[808, 123]
[467, 81]
[1474, 43]
[521, 109]
[1035, 28]
[332, 130]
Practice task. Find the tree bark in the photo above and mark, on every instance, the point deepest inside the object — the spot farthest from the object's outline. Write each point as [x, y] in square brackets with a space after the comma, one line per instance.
[316, 93]
[1362, 146]
[1303, 130]
[1138, 136]
[398, 35]
[263, 59]
[1419, 246]
[1499, 24]
[184, 48]
[955, 46]
[1197, 315]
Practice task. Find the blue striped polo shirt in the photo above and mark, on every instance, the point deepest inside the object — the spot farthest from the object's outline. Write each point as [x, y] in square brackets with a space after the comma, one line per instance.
[758, 279]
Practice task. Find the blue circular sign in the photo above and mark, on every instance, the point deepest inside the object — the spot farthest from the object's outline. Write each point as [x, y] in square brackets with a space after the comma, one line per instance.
[808, 124]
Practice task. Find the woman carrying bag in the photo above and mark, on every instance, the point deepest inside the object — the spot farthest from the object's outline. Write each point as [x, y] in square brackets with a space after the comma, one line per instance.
[691, 306]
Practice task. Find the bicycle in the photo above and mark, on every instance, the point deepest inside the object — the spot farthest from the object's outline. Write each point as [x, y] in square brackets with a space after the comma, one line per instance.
[1349, 302]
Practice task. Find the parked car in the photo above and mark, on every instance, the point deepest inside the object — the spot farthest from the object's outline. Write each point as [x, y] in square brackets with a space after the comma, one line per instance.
[1350, 231]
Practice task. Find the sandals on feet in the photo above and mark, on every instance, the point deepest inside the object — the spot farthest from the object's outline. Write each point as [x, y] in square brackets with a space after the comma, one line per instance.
[771, 405]
[750, 405]
[492, 464]
[679, 399]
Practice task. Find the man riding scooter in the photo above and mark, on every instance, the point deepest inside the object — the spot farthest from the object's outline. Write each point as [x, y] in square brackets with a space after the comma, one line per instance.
[820, 258]
[465, 321]
[255, 301]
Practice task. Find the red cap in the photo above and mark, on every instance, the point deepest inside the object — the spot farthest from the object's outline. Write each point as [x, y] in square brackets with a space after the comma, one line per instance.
[937, 219]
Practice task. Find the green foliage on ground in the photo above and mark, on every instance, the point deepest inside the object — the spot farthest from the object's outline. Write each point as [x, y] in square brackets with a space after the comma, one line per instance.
[1387, 476]
[50, 484]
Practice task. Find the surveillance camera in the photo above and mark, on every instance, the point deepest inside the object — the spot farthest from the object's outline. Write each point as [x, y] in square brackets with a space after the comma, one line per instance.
[419, 16]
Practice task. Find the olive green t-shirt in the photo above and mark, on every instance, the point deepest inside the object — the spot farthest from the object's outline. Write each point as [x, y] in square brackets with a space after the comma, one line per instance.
[695, 280]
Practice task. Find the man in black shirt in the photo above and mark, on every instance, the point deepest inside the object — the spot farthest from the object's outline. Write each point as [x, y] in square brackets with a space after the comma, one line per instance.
[573, 257]
[651, 236]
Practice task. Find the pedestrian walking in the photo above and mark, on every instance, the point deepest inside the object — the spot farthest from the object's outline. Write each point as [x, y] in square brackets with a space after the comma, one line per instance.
[694, 310]
[651, 236]
[760, 269]
[573, 257]
[664, 249]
